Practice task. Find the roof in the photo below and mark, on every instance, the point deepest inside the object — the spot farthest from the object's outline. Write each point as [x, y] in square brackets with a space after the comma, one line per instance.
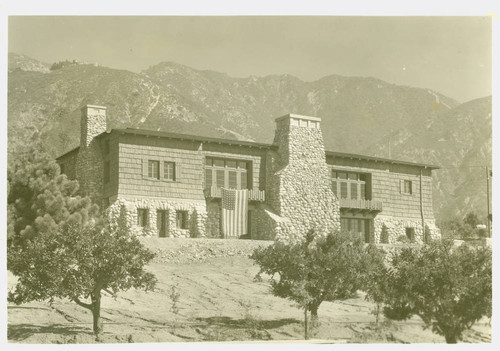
[152, 133]
[379, 159]
[69, 152]
[197, 138]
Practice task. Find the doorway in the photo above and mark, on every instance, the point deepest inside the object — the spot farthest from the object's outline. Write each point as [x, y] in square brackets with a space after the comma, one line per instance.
[162, 223]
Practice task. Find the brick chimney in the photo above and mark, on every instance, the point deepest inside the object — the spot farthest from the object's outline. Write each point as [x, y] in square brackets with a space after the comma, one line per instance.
[300, 181]
[92, 123]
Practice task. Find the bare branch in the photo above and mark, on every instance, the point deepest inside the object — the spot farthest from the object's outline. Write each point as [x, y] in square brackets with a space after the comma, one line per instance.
[83, 304]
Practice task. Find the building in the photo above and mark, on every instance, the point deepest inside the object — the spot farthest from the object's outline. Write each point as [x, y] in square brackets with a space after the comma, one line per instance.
[170, 185]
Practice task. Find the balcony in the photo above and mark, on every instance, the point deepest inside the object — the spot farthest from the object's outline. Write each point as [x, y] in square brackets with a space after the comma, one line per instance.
[253, 194]
[361, 204]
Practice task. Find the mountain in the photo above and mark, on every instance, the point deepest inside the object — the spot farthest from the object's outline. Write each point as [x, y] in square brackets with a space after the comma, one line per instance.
[25, 63]
[359, 115]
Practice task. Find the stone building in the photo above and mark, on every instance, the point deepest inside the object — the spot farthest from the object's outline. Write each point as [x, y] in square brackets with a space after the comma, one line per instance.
[169, 185]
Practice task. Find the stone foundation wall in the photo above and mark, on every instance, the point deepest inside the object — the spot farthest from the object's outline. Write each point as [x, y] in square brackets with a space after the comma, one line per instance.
[266, 225]
[213, 220]
[124, 212]
[396, 227]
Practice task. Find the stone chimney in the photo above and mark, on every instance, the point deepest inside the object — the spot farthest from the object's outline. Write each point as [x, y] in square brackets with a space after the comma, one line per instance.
[301, 184]
[89, 164]
[92, 123]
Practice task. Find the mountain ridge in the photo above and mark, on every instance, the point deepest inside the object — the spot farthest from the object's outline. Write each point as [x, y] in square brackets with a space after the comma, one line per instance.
[359, 115]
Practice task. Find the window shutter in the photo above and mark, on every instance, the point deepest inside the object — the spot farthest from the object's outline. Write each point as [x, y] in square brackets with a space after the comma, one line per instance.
[401, 186]
[144, 168]
[178, 172]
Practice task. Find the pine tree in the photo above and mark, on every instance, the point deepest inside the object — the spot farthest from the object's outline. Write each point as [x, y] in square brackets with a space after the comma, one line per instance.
[59, 245]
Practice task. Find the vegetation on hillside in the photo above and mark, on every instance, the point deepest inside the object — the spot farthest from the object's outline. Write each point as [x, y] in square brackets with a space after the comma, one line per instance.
[470, 227]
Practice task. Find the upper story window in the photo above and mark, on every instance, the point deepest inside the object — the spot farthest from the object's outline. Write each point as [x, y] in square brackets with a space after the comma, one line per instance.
[349, 185]
[154, 169]
[226, 173]
[406, 187]
[169, 170]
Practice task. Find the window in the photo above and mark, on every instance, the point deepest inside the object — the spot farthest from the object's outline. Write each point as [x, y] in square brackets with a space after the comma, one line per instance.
[232, 183]
[181, 219]
[208, 178]
[357, 226]
[410, 233]
[62, 166]
[154, 169]
[224, 173]
[343, 190]
[142, 217]
[106, 172]
[354, 191]
[350, 185]
[169, 170]
[219, 175]
[407, 187]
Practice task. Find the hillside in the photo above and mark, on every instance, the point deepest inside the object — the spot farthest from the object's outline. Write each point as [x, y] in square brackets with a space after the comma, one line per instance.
[359, 115]
[219, 300]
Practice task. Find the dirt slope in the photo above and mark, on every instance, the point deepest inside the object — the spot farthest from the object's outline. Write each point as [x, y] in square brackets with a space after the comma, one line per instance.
[218, 301]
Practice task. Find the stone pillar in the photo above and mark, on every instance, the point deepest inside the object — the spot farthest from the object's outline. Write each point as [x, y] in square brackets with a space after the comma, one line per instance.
[89, 166]
[300, 181]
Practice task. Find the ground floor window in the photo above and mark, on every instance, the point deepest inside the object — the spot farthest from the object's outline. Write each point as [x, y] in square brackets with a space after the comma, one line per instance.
[181, 219]
[410, 234]
[357, 226]
[142, 217]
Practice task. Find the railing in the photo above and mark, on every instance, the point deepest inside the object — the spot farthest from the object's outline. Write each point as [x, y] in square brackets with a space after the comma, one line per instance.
[253, 194]
[361, 204]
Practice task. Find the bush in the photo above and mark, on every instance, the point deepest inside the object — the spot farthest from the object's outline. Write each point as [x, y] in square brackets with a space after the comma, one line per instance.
[448, 287]
[316, 270]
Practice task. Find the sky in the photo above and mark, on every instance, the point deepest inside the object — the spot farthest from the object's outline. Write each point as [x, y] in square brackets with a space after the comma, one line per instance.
[451, 55]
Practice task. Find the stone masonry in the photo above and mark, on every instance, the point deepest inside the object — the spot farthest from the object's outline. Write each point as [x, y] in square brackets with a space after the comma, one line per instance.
[299, 189]
[89, 163]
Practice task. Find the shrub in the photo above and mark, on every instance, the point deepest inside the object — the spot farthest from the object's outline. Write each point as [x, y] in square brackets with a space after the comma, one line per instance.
[316, 270]
[448, 287]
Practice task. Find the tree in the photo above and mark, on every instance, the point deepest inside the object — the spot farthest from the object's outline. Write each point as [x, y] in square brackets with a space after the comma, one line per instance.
[448, 287]
[319, 269]
[375, 283]
[59, 246]
[471, 219]
[463, 229]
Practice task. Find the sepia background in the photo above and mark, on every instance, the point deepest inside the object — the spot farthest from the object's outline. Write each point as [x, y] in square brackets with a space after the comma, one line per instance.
[410, 88]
